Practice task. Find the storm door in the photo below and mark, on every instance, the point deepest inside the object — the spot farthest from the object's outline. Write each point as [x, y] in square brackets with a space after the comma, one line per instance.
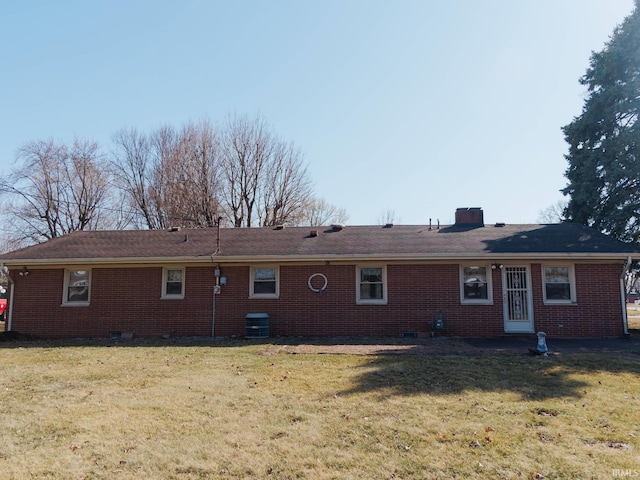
[518, 312]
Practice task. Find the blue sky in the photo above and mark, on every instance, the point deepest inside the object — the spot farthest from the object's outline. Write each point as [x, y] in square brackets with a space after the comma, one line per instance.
[411, 106]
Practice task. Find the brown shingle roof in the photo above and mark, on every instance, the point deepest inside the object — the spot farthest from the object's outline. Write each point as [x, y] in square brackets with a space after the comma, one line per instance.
[296, 243]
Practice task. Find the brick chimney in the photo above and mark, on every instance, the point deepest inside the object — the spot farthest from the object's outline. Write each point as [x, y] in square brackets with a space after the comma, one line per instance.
[470, 216]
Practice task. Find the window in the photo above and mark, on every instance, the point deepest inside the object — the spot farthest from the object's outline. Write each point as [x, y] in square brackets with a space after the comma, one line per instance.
[264, 282]
[371, 285]
[558, 283]
[475, 284]
[173, 283]
[77, 284]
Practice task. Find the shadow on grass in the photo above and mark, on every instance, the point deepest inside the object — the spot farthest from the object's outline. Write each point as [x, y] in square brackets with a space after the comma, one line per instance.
[450, 366]
[532, 378]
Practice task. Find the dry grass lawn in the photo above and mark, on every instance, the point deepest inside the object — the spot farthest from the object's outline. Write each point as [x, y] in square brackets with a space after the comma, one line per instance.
[633, 316]
[237, 410]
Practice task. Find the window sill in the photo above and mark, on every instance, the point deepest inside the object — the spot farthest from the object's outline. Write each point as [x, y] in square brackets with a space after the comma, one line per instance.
[172, 297]
[264, 296]
[561, 302]
[75, 304]
[371, 302]
[476, 302]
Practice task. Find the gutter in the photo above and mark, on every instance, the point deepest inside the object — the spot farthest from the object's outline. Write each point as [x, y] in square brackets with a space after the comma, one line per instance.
[320, 257]
[623, 295]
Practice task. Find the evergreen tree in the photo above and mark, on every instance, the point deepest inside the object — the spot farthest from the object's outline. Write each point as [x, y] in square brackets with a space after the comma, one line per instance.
[604, 141]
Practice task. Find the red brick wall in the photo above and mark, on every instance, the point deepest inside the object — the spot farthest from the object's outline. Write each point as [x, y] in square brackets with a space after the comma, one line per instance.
[598, 309]
[128, 300]
[122, 300]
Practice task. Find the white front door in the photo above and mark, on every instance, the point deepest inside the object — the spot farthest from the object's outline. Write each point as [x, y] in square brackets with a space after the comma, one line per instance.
[518, 311]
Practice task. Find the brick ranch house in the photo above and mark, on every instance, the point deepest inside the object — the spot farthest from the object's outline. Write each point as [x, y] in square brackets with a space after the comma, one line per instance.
[466, 279]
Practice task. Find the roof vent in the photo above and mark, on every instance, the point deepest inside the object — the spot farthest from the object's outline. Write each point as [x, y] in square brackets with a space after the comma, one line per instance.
[174, 229]
[336, 227]
[313, 233]
[280, 227]
[388, 225]
[500, 224]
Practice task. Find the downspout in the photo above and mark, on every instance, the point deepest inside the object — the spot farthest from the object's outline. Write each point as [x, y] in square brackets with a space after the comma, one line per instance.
[623, 295]
[10, 314]
[216, 288]
[213, 316]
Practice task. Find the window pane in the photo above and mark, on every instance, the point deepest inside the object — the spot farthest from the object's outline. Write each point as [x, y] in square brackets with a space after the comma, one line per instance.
[264, 287]
[264, 281]
[558, 291]
[76, 275]
[475, 274]
[475, 291]
[557, 274]
[78, 294]
[371, 275]
[78, 287]
[371, 283]
[174, 275]
[173, 286]
[371, 291]
[557, 283]
[265, 274]
[475, 283]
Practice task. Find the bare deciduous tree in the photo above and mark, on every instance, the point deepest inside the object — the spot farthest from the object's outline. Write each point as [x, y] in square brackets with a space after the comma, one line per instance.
[553, 213]
[56, 190]
[388, 217]
[133, 169]
[285, 187]
[196, 183]
[246, 148]
[241, 171]
[192, 177]
[9, 243]
[85, 181]
[171, 177]
[265, 179]
[317, 212]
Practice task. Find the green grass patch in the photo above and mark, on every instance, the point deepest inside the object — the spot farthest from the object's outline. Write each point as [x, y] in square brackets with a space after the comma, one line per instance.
[231, 411]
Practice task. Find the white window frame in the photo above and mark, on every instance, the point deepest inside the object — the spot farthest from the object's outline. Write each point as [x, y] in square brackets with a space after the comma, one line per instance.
[477, 301]
[369, 301]
[165, 278]
[572, 284]
[65, 291]
[252, 276]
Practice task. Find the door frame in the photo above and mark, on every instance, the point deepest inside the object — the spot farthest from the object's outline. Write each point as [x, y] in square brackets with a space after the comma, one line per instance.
[516, 326]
